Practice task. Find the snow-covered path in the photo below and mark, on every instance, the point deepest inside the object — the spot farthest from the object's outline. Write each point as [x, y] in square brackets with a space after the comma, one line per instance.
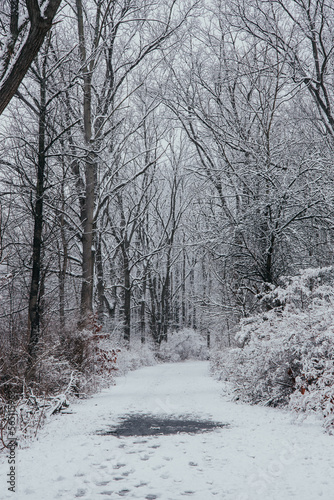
[263, 454]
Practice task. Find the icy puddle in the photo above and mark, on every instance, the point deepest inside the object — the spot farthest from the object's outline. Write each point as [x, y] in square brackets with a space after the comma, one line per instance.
[151, 425]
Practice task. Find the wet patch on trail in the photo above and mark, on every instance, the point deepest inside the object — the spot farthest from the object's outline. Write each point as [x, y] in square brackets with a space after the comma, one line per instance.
[151, 425]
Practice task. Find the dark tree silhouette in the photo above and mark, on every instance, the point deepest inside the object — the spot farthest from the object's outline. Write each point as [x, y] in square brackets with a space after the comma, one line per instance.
[19, 50]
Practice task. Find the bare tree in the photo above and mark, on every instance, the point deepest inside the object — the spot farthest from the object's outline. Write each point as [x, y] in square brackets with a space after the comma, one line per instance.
[102, 52]
[301, 33]
[237, 107]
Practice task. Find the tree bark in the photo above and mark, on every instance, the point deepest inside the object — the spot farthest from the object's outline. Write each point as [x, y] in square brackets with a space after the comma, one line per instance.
[101, 298]
[63, 262]
[87, 213]
[86, 307]
[142, 312]
[34, 296]
[127, 296]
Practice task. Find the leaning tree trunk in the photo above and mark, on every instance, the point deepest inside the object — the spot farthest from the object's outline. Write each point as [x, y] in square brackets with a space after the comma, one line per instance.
[40, 24]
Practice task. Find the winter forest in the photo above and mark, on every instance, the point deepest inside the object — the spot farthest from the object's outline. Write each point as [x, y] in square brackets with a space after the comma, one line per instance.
[167, 192]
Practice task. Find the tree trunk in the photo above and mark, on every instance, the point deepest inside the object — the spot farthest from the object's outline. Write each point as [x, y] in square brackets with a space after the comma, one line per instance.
[142, 312]
[86, 307]
[101, 299]
[183, 291]
[127, 297]
[34, 296]
[165, 301]
[153, 315]
[87, 214]
[62, 267]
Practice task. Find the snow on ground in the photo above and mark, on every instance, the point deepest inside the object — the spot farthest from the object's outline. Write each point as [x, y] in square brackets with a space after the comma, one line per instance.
[263, 454]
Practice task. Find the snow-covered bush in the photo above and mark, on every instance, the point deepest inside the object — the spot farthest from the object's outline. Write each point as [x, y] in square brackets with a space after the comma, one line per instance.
[135, 356]
[286, 354]
[315, 383]
[72, 365]
[93, 354]
[28, 412]
[182, 345]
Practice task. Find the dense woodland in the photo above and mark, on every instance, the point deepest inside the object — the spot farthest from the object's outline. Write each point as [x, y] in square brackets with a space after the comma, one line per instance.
[164, 164]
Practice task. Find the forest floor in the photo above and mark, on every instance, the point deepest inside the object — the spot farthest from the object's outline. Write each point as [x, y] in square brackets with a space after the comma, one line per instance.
[182, 449]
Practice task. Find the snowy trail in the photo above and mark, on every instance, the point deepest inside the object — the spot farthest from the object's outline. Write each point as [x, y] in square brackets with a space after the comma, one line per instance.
[262, 455]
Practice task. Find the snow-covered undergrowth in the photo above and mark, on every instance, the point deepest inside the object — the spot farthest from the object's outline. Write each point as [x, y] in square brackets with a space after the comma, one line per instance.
[88, 361]
[136, 356]
[94, 366]
[286, 354]
[75, 367]
[182, 345]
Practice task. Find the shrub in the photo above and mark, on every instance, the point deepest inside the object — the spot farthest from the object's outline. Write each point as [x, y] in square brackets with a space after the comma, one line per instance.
[74, 365]
[182, 345]
[136, 356]
[286, 355]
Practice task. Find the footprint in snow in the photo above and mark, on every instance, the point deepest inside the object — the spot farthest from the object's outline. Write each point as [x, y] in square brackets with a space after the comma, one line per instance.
[157, 467]
[80, 493]
[125, 474]
[118, 466]
[140, 485]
